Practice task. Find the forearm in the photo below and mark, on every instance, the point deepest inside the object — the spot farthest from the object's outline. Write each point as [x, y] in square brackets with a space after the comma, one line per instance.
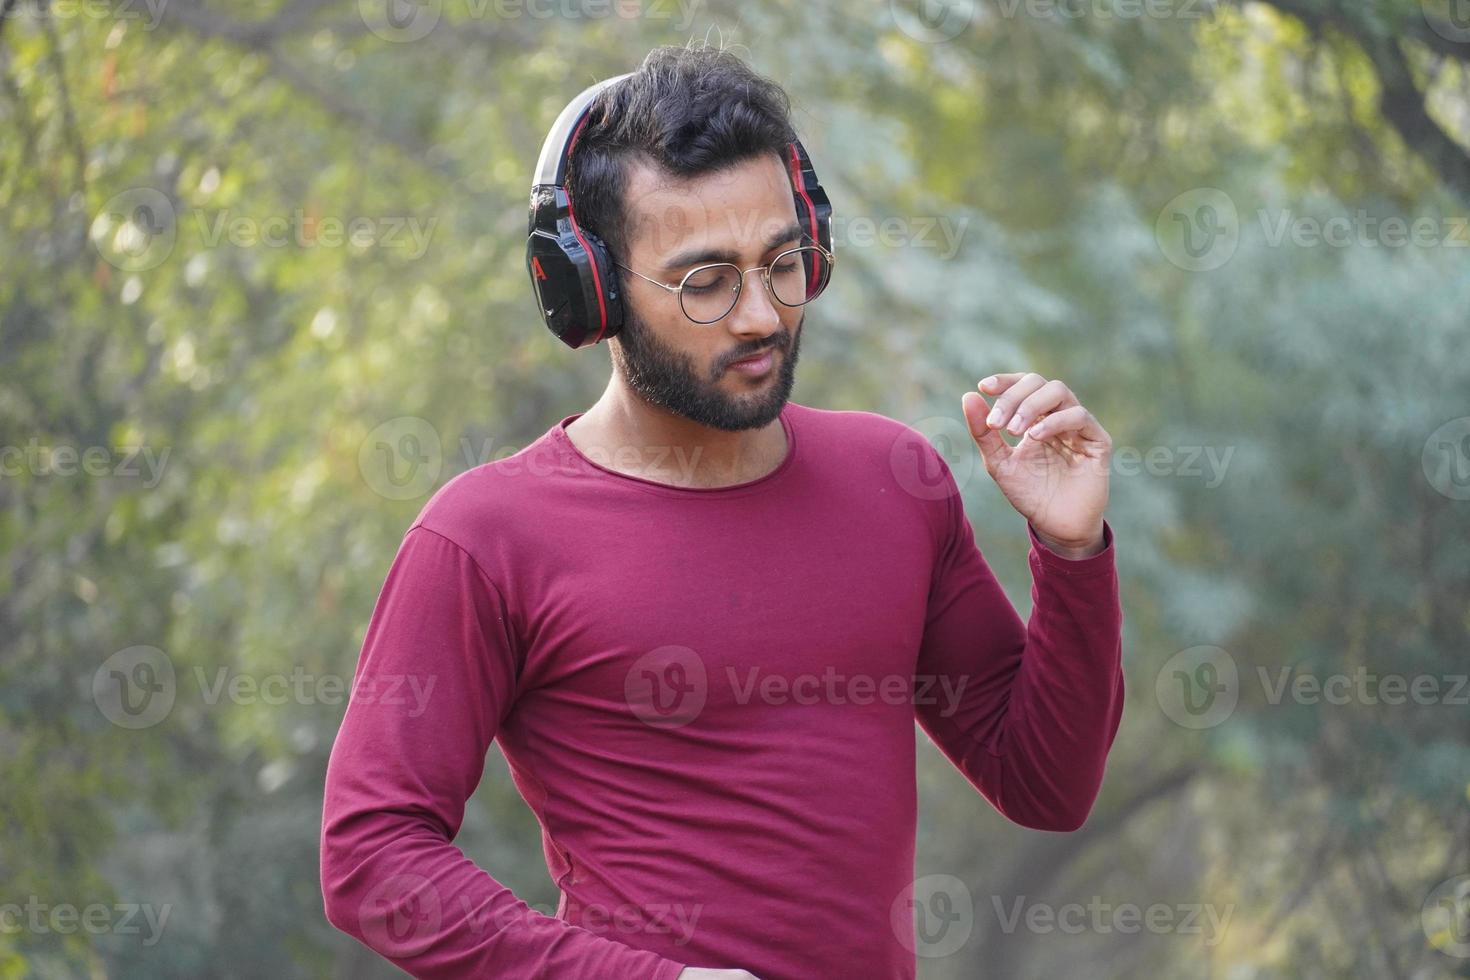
[1042, 702]
[414, 898]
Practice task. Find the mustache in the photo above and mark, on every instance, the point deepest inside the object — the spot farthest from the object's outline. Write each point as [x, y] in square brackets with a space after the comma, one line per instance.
[779, 344]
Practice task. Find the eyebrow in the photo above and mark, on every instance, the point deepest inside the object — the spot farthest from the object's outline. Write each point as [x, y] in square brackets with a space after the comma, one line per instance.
[790, 233]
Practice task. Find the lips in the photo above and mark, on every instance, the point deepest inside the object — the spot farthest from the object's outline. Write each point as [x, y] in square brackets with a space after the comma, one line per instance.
[754, 357]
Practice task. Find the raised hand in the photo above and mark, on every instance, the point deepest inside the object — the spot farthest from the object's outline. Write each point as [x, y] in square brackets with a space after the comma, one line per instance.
[1057, 475]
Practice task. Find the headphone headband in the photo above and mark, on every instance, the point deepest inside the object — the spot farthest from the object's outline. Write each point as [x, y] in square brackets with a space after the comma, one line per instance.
[551, 166]
[575, 280]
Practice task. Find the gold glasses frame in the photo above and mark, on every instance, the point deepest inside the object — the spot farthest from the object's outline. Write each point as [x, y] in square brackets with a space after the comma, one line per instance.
[765, 271]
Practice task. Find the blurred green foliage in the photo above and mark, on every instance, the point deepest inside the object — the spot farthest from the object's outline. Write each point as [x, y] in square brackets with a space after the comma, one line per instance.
[1079, 155]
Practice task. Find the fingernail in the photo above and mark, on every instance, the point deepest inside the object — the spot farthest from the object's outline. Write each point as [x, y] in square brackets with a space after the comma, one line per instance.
[995, 417]
[1015, 427]
[1034, 431]
[988, 382]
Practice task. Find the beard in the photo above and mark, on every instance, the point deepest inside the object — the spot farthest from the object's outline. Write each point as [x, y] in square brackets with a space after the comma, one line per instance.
[666, 377]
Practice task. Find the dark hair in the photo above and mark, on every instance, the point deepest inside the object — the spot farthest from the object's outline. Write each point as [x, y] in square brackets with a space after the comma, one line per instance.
[690, 111]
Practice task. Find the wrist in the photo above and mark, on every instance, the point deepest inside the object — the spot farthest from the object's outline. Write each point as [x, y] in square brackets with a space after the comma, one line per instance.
[1073, 549]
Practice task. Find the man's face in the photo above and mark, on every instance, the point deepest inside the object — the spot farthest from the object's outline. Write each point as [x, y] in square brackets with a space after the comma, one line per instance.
[745, 215]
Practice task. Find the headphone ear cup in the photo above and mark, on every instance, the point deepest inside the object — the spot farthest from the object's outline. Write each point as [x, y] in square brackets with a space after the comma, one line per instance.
[610, 281]
[579, 307]
[577, 287]
[558, 287]
[813, 209]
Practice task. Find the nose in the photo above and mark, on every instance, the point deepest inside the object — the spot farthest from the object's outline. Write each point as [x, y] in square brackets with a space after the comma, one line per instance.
[755, 314]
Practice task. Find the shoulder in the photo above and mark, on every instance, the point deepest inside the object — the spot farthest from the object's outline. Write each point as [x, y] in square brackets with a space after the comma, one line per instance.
[859, 435]
[894, 470]
[851, 428]
[482, 508]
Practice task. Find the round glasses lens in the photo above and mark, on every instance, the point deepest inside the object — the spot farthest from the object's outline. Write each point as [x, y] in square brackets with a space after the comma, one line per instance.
[709, 292]
[798, 276]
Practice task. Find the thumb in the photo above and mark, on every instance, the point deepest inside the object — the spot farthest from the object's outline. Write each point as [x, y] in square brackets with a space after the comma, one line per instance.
[992, 447]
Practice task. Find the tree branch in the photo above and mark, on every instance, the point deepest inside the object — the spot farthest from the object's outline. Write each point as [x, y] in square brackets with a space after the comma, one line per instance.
[68, 117]
[1029, 875]
[1400, 99]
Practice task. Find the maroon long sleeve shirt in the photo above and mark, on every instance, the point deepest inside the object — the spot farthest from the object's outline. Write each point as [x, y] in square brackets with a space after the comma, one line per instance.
[708, 698]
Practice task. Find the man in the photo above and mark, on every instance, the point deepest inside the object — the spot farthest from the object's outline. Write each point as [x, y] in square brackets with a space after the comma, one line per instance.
[701, 620]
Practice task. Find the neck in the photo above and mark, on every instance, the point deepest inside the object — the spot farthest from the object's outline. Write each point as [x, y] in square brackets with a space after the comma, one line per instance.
[624, 432]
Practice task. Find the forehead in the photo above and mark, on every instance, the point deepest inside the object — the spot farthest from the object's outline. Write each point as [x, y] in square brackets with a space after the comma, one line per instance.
[736, 209]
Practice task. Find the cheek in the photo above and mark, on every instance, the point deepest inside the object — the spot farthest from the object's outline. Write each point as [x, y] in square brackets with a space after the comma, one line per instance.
[676, 336]
[651, 318]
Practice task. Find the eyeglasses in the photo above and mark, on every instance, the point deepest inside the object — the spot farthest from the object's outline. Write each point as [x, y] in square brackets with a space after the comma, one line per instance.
[707, 293]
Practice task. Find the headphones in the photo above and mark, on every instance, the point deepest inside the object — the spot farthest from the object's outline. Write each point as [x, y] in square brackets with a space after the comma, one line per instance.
[575, 280]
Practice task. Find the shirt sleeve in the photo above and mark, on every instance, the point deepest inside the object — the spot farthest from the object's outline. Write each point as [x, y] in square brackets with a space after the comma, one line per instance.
[434, 680]
[1041, 702]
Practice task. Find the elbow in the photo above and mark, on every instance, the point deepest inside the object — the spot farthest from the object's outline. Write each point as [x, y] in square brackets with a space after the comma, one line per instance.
[1062, 822]
[1057, 816]
[336, 910]
[369, 894]
[338, 899]
[1037, 803]
[334, 900]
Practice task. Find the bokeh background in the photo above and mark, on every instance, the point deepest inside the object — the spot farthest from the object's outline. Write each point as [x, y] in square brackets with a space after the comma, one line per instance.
[262, 291]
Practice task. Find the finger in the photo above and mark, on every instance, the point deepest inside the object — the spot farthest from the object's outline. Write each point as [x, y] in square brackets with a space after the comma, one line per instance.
[1005, 404]
[992, 447]
[998, 383]
[1074, 426]
[1049, 397]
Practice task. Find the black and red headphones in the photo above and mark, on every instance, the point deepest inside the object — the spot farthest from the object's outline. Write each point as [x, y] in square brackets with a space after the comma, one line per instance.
[575, 279]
